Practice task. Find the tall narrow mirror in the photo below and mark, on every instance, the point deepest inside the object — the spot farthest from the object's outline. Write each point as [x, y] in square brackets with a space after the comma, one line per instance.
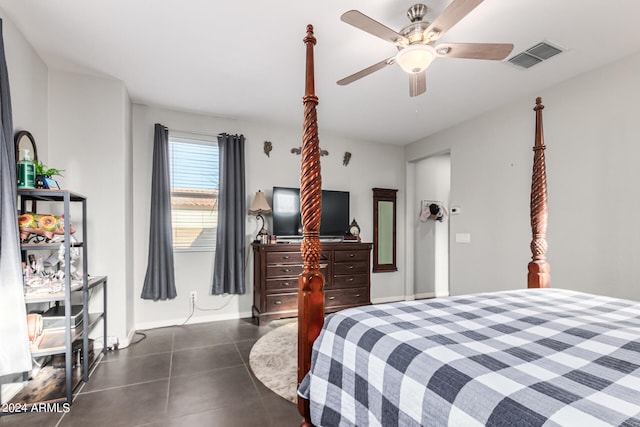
[384, 230]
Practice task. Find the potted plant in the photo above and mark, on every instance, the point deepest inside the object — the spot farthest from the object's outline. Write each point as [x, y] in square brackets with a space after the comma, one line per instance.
[43, 171]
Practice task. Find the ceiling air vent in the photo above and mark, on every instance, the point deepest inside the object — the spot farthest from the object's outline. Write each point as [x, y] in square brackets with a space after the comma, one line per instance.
[534, 55]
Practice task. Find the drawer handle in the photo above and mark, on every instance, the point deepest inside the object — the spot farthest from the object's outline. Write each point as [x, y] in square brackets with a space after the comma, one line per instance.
[332, 298]
[285, 270]
[277, 302]
[286, 257]
[352, 255]
[351, 279]
[351, 267]
[357, 295]
[286, 284]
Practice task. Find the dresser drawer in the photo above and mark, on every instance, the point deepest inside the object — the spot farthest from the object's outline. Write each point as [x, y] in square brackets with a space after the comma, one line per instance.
[286, 271]
[289, 284]
[350, 297]
[283, 271]
[290, 257]
[355, 255]
[350, 268]
[284, 258]
[282, 302]
[350, 281]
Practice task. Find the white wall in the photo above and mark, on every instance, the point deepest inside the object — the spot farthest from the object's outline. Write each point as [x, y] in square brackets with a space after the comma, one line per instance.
[431, 247]
[591, 133]
[90, 138]
[28, 81]
[371, 165]
[193, 270]
[28, 88]
[81, 124]
[84, 124]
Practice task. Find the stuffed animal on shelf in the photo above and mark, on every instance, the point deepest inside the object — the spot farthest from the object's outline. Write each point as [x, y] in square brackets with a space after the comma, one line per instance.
[41, 225]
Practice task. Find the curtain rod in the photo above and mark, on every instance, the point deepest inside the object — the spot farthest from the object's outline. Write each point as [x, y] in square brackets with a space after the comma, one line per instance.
[190, 132]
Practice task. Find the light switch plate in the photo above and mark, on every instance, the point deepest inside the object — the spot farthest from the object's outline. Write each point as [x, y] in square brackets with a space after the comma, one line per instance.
[463, 238]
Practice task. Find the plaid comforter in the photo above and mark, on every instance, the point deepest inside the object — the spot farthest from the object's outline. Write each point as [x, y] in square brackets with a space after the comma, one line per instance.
[531, 357]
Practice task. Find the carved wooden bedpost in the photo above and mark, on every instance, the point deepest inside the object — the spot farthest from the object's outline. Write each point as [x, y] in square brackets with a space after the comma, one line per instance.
[538, 267]
[310, 281]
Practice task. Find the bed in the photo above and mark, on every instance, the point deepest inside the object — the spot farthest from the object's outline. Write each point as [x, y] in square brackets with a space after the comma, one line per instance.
[535, 356]
[525, 357]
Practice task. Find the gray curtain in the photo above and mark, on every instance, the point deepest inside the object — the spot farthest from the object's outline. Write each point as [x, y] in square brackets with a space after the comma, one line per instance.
[159, 281]
[228, 270]
[15, 355]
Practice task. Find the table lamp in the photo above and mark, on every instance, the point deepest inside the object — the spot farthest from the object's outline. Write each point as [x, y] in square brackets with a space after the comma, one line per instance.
[259, 207]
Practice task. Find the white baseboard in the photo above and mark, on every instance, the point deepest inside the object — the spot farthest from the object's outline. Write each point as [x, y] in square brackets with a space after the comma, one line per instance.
[192, 321]
[386, 300]
[425, 295]
[10, 390]
[231, 316]
[124, 342]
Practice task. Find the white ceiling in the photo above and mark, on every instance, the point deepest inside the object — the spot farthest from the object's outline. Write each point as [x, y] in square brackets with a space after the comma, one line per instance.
[245, 59]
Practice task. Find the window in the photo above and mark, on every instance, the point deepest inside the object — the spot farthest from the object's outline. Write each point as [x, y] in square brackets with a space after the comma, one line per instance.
[194, 192]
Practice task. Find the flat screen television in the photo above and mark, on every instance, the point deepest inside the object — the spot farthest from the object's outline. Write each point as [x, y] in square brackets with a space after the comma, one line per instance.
[287, 222]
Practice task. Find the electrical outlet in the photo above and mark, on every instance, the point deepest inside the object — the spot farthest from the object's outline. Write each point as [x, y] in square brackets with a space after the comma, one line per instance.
[112, 343]
[194, 296]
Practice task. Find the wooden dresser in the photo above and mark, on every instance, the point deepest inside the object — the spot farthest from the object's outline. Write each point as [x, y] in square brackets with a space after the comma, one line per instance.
[346, 268]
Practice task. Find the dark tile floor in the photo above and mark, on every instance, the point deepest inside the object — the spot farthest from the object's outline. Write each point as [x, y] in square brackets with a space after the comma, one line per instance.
[194, 375]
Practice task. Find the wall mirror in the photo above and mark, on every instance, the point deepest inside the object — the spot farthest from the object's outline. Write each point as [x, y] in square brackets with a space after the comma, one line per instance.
[384, 230]
[24, 141]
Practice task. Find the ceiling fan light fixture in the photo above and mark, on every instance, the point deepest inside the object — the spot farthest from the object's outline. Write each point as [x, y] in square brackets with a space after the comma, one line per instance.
[430, 36]
[416, 58]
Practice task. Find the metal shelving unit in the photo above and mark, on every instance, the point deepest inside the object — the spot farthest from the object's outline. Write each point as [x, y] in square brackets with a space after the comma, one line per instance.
[60, 341]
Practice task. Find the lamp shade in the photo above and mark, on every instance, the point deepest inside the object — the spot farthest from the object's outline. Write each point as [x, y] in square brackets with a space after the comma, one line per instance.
[259, 205]
[416, 58]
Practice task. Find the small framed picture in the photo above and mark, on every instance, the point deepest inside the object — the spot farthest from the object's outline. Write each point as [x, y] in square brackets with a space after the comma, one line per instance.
[51, 183]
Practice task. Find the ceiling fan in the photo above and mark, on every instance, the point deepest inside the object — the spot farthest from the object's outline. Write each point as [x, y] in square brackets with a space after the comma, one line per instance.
[416, 42]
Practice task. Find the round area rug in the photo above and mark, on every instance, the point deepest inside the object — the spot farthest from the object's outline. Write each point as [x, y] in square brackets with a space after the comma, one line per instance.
[274, 360]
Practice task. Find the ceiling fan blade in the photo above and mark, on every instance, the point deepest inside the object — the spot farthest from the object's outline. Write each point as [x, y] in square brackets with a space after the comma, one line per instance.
[417, 83]
[362, 73]
[492, 51]
[457, 10]
[371, 26]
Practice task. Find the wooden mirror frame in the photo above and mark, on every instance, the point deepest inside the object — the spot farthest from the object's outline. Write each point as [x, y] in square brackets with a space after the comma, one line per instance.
[380, 233]
[22, 140]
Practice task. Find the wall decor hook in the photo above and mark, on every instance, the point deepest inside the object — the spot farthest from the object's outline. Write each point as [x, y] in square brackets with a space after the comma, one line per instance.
[298, 151]
[347, 157]
[267, 148]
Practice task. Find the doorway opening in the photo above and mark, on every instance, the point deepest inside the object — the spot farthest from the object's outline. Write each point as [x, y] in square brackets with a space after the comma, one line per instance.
[432, 187]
